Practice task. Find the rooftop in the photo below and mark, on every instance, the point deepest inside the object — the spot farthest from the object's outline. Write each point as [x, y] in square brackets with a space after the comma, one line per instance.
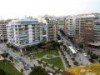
[25, 21]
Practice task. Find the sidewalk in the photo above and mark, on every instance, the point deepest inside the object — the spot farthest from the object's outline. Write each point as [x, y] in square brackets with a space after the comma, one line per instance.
[63, 61]
[69, 59]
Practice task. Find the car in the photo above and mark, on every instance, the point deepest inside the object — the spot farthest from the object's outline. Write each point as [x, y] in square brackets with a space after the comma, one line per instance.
[68, 43]
[50, 73]
[26, 67]
[85, 54]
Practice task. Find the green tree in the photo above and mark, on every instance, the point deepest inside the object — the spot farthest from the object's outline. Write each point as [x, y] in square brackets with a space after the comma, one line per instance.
[11, 58]
[94, 56]
[55, 44]
[38, 71]
[75, 63]
[5, 55]
[2, 72]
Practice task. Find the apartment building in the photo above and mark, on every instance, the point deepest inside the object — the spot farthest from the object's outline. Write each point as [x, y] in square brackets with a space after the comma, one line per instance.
[52, 27]
[27, 31]
[97, 30]
[70, 26]
[3, 31]
[61, 23]
[85, 27]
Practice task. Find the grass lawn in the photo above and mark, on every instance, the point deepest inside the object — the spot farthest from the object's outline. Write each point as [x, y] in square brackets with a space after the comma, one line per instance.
[55, 61]
[53, 56]
[8, 68]
[46, 52]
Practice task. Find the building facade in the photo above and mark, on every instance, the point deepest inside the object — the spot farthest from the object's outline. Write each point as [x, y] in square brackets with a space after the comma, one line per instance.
[52, 27]
[3, 31]
[27, 31]
[85, 25]
[61, 23]
[70, 26]
[86, 28]
[97, 30]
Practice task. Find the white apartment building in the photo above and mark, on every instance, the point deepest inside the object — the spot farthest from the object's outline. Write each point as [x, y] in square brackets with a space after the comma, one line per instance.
[70, 26]
[27, 31]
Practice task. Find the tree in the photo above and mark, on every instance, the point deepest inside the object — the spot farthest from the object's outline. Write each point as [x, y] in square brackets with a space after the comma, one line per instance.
[38, 71]
[5, 55]
[39, 61]
[11, 58]
[73, 59]
[75, 63]
[94, 56]
[81, 45]
[22, 71]
[8, 45]
[45, 64]
[55, 44]
[2, 72]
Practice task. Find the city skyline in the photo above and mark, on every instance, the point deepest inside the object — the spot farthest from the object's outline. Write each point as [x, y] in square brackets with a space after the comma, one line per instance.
[34, 8]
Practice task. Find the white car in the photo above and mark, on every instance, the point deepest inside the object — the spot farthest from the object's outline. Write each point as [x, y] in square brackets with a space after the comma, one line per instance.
[85, 54]
[50, 73]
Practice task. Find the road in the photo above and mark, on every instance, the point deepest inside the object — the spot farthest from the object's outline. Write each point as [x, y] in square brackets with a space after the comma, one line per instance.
[83, 60]
[67, 56]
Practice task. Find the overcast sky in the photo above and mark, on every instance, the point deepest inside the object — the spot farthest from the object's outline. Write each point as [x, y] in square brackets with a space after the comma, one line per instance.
[22, 8]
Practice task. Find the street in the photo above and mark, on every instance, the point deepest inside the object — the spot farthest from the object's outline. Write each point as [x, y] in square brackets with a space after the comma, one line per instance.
[80, 58]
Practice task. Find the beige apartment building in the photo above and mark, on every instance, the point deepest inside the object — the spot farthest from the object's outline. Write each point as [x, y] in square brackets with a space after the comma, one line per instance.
[86, 28]
[85, 25]
[3, 31]
[52, 27]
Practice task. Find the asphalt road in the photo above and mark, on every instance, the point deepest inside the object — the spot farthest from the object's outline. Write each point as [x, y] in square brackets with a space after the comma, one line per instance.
[83, 60]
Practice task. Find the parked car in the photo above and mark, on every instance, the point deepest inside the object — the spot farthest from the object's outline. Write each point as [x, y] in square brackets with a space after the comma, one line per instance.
[50, 73]
[26, 67]
[85, 54]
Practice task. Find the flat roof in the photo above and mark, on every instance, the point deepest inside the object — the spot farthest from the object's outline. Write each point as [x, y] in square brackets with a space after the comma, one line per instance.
[72, 49]
[25, 21]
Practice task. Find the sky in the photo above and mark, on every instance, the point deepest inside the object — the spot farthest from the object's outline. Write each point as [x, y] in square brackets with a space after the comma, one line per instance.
[34, 8]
